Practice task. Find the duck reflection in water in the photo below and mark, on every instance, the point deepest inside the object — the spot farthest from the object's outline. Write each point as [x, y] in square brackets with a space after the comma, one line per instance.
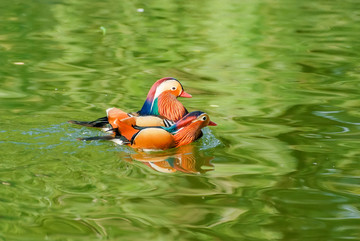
[185, 159]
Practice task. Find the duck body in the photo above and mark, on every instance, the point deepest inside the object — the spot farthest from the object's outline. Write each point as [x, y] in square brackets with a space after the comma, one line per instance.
[161, 101]
[184, 131]
[114, 115]
[153, 139]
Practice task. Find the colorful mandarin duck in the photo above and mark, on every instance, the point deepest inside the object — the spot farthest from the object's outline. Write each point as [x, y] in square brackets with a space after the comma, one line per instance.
[184, 131]
[161, 101]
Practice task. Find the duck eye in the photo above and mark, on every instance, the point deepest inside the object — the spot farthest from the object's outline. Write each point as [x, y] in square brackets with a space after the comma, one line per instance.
[204, 118]
[173, 88]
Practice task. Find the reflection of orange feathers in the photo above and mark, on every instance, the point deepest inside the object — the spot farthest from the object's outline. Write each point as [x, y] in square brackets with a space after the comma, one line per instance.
[162, 166]
[185, 159]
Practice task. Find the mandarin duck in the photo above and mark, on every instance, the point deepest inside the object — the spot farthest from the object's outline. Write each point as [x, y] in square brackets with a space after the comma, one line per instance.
[183, 132]
[161, 101]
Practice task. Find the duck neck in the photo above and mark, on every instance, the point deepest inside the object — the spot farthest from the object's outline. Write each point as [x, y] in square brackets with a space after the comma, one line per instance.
[187, 135]
[169, 107]
[146, 108]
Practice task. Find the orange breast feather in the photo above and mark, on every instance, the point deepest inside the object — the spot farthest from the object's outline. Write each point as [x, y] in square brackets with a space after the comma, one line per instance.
[170, 107]
[153, 138]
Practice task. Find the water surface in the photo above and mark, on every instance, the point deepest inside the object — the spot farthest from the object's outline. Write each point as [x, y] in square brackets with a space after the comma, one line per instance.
[280, 78]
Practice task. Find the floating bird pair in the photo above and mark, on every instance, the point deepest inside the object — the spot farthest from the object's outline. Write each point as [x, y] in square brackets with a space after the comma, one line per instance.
[162, 123]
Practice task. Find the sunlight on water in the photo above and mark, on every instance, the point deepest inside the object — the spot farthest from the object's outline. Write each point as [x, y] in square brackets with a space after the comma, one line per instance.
[280, 78]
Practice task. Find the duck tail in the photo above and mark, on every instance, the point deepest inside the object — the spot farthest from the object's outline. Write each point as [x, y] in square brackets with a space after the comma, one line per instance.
[118, 139]
[98, 123]
[95, 138]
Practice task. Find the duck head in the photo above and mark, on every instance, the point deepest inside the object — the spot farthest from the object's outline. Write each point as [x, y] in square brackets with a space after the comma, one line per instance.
[195, 119]
[188, 129]
[162, 99]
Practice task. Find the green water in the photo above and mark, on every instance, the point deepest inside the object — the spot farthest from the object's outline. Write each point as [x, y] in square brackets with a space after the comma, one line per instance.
[280, 78]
